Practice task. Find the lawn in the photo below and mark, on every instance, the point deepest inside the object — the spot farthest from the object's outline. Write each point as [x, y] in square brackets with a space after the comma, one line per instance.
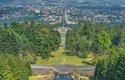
[60, 58]
[84, 78]
[63, 34]
[38, 77]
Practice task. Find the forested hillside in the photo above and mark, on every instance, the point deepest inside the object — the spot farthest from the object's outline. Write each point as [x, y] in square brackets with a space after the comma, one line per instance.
[20, 43]
[98, 39]
[106, 43]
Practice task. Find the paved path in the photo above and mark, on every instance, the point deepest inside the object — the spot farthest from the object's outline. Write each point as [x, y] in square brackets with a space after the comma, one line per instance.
[63, 68]
[40, 68]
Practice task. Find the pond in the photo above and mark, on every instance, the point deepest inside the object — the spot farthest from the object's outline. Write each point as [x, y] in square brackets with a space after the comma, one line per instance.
[62, 77]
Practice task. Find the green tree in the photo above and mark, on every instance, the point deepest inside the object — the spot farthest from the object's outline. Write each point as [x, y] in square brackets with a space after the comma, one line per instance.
[8, 41]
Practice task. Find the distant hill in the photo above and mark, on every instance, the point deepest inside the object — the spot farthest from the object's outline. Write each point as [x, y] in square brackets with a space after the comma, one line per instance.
[112, 2]
[5, 1]
[115, 2]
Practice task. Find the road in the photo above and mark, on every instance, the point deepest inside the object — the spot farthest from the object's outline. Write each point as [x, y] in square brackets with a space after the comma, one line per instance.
[43, 67]
[62, 68]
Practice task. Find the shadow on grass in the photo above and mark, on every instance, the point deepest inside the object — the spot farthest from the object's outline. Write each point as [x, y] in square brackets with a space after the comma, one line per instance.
[88, 63]
[52, 56]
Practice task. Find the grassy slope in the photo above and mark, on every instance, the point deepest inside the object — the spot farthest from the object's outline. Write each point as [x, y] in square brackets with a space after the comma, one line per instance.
[60, 58]
[38, 77]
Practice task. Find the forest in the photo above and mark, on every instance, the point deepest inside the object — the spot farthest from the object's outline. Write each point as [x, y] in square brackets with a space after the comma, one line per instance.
[20, 43]
[106, 43]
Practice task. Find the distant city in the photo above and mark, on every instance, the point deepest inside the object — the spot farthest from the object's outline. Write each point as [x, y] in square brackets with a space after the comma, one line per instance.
[56, 11]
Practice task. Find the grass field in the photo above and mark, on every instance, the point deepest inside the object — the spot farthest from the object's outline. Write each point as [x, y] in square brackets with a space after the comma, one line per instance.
[60, 58]
[38, 77]
[84, 78]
